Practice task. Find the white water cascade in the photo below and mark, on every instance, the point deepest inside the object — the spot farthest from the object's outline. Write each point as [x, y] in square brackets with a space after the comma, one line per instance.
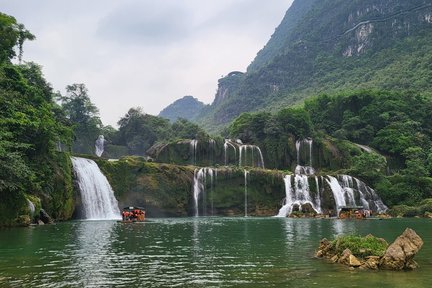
[97, 196]
[246, 174]
[228, 143]
[350, 191]
[193, 148]
[304, 167]
[201, 177]
[299, 195]
[99, 145]
[252, 149]
[346, 190]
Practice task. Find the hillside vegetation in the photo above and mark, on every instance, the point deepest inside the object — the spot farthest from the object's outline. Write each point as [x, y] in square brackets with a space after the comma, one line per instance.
[331, 46]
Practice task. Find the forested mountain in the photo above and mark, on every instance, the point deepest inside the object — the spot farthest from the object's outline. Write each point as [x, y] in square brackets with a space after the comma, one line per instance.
[187, 108]
[329, 46]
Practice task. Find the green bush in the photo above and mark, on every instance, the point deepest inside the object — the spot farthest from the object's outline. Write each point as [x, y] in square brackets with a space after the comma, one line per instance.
[360, 246]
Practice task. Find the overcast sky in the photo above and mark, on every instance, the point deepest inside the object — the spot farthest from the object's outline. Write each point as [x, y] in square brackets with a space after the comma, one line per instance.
[145, 53]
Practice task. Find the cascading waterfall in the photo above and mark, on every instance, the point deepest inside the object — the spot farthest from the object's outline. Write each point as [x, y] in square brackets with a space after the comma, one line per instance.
[212, 146]
[99, 145]
[193, 148]
[97, 196]
[228, 143]
[199, 188]
[346, 190]
[243, 156]
[306, 166]
[348, 194]
[299, 195]
[246, 174]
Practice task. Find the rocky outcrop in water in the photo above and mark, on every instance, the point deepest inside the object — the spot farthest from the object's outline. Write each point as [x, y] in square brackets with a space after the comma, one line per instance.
[400, 253]
[398, 256]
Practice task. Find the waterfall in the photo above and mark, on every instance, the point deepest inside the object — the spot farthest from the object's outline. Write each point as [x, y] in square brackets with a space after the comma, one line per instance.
[344, 192]
[97, 196]
[299, 196]
[199, 188]
[193, 148]
[228, 143]
[99, 145]
[246, 174]
[307, 168]
[31, 207]
[244, 154]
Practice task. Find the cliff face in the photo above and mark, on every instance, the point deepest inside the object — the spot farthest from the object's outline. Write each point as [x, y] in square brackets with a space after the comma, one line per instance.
[332, 45]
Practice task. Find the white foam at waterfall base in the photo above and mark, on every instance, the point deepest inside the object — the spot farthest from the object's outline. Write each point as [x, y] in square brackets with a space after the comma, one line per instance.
[97, 196]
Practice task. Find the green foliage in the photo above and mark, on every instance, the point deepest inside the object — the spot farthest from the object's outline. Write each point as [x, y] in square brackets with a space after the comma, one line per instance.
[12, 34]
[139, 131]
[360, 246]
[369, 166]
[83, 115]
[31, 126]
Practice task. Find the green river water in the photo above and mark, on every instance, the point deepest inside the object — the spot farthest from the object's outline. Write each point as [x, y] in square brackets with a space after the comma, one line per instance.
[198, 252]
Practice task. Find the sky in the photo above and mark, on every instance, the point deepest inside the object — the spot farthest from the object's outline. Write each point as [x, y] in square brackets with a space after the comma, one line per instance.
[144, 53]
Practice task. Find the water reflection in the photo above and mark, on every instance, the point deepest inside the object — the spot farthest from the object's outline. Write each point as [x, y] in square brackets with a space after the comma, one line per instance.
[195, 252]
[92, 255]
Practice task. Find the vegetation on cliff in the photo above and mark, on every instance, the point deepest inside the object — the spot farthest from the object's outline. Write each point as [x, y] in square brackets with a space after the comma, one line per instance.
[31, 126]
[332, 46]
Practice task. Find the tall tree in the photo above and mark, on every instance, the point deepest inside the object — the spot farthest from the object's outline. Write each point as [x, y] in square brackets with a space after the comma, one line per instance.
[83, 115]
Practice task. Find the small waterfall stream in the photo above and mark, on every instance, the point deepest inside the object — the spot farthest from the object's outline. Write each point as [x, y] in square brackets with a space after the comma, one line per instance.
[99, 145]
[246, 174]
[201, 177]
[97, 196]
[193, 148]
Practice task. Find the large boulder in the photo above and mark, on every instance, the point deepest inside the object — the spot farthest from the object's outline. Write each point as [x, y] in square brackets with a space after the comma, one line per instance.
[399, 255]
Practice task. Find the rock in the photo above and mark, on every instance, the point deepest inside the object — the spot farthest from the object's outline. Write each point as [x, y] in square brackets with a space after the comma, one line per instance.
[372, 262]
[344, 258]
[40, 222]
[334, 259]
[43, 215]
[353, 261]
[399, 255]
[324, 248]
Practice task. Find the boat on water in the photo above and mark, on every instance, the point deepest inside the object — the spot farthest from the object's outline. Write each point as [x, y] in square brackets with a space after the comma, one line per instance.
[132, 214]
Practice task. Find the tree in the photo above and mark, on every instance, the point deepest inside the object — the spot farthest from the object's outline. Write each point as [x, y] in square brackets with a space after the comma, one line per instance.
[83, 115]
[12, 34]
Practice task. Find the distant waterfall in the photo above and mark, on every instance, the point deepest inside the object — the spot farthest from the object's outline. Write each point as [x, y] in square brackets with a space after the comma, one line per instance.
[252, 151]
[97, 196]
[201, 178]
[246, 174]
[99, 145]
[193, 148]
[227, 145]
[346, 191]
[304, 167]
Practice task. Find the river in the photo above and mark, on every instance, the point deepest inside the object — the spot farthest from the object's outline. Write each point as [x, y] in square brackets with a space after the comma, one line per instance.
[198, 252]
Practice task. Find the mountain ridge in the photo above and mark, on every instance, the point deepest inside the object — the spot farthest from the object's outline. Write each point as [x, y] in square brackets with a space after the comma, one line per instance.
[331, 46]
